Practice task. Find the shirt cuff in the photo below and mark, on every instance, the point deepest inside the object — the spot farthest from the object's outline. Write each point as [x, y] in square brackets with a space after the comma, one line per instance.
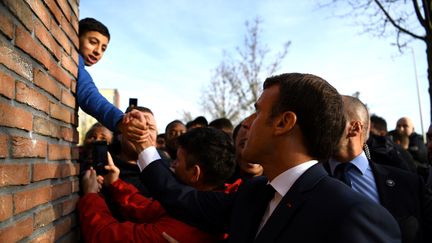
[147, 156]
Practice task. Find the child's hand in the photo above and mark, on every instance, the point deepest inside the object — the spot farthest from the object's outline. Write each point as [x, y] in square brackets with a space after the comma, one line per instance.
[113, 172]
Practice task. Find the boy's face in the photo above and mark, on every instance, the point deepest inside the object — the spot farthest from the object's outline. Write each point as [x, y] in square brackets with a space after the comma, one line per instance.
[92, 46]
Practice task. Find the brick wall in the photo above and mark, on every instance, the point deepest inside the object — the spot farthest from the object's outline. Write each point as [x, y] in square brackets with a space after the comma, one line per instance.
[38, 118]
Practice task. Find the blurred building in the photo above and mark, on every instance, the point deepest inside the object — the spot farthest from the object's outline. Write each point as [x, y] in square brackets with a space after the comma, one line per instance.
[86, 121]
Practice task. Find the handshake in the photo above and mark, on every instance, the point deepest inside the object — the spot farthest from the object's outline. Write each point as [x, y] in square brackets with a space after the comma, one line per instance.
[139, 128]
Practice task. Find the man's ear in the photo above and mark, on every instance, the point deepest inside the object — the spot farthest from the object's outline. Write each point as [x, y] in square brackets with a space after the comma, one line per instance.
[355, 128]
[285, 122]
[196, 172]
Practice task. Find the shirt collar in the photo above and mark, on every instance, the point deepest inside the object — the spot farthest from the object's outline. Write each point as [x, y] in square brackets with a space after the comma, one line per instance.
[360, 162]
[283, 182]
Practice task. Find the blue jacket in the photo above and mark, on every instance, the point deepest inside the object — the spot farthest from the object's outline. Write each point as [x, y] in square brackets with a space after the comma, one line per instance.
[93, 103]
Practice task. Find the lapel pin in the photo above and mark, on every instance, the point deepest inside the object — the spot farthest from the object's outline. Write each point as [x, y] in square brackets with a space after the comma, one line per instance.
[390, 183]
[289, 205]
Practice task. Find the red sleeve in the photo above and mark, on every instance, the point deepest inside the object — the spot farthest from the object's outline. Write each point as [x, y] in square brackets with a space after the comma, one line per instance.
[98, 225]
[133, 206]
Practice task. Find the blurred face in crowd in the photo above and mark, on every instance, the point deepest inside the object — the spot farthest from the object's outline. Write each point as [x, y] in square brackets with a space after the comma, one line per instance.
[429, 143]
[404, 126]
[246, 168]
[99, 134]
[174, 131]
[92, 47]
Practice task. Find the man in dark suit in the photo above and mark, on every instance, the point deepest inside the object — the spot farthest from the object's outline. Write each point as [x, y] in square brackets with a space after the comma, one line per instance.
[298, 121]
[402, 193]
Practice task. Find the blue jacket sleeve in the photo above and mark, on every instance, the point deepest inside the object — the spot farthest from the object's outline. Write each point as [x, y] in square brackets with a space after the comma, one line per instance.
[93, 103]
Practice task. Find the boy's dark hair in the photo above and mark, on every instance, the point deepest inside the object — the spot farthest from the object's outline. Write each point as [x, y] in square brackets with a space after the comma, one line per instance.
[91, 24]
[212, 150]
[221, 123]
[318, 107]
[379, 123]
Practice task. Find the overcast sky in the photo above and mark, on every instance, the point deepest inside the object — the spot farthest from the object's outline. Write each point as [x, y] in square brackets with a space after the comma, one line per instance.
[164, 52]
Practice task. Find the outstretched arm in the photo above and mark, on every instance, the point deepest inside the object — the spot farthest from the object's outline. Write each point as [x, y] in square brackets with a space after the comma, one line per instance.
[93, 103]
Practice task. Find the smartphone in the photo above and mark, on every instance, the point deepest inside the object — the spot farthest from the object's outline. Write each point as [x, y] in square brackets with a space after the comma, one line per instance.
[100, 157]
[133, 102]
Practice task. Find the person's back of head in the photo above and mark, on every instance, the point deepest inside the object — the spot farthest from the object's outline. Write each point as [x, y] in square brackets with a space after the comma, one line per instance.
[378, 125]
[213, 151]
[200, 121]
[91, 24]
[223, 124]
[318, 107]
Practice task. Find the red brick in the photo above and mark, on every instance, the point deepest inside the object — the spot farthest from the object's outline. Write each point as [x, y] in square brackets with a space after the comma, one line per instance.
[6, 25]
[43, 171]
[64, 6]
[71, 236]
[74, 119]
[74, 56]
[25, 41]
[69, 169]
[47, 40]
[60, 74]
[41, 11]
[14, 174]
[48, 84]
[31, 198]
[70, 31]
[59, 152]
[75, 152]
[73, 86]
[31, 97]
[61, 37]
[69, 134]
[62, 226]
[75, 185]
[46, 237]
[11, 116]
[7, 87]
[61, 190]
[17, 231]
[25, 147]
[11, 59]
[68, 99]
[22, 11]
[74, 22]
[68, 63]
[60, 113]
[4, 147]
[46, 127]
[47, 215]
[6, 207]
[70, 205]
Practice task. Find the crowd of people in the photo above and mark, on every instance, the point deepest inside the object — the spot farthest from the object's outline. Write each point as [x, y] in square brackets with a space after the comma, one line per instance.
[309, 165]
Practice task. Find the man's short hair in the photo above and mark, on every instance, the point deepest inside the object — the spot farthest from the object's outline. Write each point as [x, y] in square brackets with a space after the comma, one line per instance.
[212, 150]
[318, 107]
[139, 108]
[379, 123]
[221, 123]
[91, 24]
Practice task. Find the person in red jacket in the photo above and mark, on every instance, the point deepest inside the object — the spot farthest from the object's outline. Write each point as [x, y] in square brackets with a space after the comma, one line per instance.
[205, 159]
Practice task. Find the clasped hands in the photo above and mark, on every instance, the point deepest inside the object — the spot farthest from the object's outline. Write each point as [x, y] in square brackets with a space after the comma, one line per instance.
[138, 127]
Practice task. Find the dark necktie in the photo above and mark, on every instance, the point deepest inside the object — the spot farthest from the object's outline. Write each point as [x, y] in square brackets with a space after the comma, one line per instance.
[341, 173]
[267, 195]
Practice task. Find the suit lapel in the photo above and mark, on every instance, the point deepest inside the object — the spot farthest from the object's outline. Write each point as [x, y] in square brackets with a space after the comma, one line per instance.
[290, 203]
[385, 184]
